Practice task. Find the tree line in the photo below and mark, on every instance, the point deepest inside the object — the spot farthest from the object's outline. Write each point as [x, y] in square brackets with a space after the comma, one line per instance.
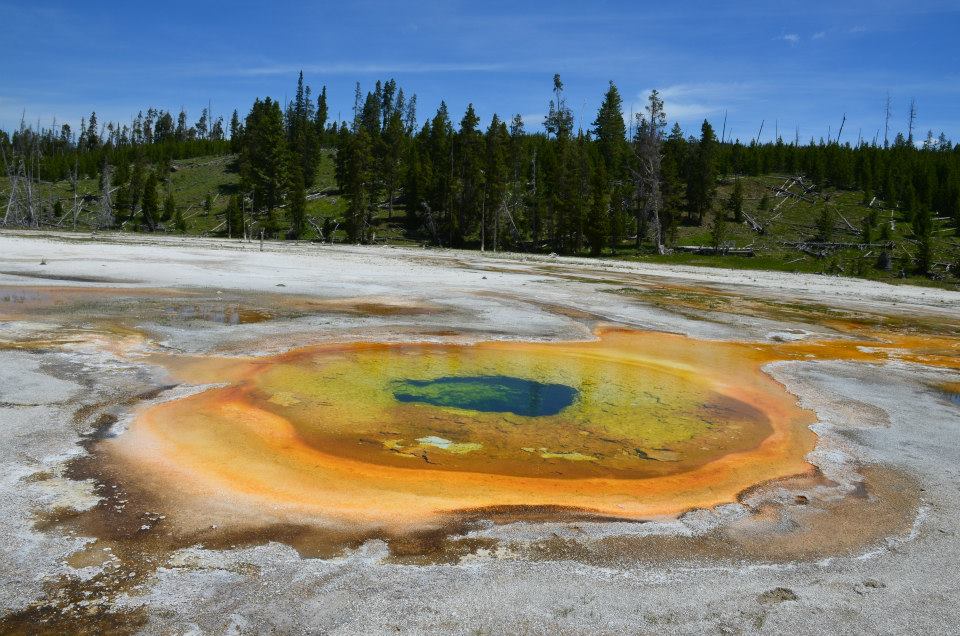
[570, 191]
[457, 182]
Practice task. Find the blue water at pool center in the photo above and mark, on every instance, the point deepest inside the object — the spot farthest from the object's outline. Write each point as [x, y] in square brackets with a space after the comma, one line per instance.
[488, 393]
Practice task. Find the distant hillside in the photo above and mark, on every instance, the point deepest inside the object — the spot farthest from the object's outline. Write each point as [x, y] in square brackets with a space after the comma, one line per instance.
[637, 189]
[779, 226]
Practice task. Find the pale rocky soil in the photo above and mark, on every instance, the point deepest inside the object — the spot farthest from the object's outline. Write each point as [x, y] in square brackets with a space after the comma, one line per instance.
[887, 417]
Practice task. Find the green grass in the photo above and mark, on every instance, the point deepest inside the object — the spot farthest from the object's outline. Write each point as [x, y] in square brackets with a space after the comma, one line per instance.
[191, 180]
[797, 222]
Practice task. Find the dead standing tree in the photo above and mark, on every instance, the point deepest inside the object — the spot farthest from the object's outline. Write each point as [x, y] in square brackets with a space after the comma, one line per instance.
[22, 202]
[648, 150]
[105, 217]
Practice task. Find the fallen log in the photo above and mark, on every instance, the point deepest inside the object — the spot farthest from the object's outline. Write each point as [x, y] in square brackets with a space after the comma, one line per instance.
[316, 228]
[754, 224]
[703, 249]
[836, 246]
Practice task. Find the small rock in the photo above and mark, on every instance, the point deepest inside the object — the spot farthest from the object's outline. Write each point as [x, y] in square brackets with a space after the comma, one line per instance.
[801, 500]
[873, 583]
[777, 595]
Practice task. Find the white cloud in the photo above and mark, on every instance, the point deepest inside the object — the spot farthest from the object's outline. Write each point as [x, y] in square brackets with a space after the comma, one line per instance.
[819, 35]
[680, 111]
[690, 102]
[351, 69]
[532, 120]
[791, 38]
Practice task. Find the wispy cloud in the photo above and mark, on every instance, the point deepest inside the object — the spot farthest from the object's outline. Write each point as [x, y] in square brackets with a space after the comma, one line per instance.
[532, 120]
[686, 102]
[790, 38]
[349, 69]
[819, 35]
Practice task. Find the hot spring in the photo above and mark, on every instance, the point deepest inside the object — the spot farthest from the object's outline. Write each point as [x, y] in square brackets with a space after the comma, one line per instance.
[632, 425]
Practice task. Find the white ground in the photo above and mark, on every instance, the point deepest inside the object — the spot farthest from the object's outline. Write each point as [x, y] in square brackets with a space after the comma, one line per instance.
[908, 584]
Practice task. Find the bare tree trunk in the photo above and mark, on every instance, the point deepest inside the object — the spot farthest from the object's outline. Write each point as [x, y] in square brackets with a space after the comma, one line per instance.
[105, 217]
[73, 185]
[648, 146]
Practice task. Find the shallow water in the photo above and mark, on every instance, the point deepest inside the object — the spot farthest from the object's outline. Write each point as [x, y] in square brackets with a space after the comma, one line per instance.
[21, 295]
[224, 313]
[951, 391]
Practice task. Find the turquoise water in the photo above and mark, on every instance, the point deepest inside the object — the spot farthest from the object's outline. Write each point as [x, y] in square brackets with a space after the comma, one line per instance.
[488, 393]
[952, 397]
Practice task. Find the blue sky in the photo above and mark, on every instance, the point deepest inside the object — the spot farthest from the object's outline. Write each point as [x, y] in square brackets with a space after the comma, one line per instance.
[794, 64]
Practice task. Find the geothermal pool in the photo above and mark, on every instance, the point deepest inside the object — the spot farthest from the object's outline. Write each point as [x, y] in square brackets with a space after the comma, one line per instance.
[630, 425]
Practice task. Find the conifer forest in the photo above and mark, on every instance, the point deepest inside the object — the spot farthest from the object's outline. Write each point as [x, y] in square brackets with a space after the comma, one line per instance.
[887, 206]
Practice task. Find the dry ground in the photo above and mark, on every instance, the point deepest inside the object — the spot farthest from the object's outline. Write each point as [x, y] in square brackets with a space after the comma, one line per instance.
[867, 544]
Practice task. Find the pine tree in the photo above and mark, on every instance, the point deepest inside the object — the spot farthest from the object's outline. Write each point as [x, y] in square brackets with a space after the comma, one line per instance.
[181, 132]
[357, 182]
[236, 133]
[393, 143]
[216, 134]
[909, 203]
[202, 126]
[387, 104]
[671, 181]
[93, 133]
[179, 222]
[410, 115]
[581, 159]
[735, 202]
[370, 115]
[599, 216]
[301, 133]
[702, 175]
[469, 158]
[439, 146]
[320, 118]
[164, 130]
[559, 119]
[264, 157]
[297, 205]
[866, 229]
[923, 233]
[955, 208]
[825, 224]
[611, 131]
[234, 218]
[497, 140]
[169, 208]
[718, 232]
[419, 186]
[150, 206]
